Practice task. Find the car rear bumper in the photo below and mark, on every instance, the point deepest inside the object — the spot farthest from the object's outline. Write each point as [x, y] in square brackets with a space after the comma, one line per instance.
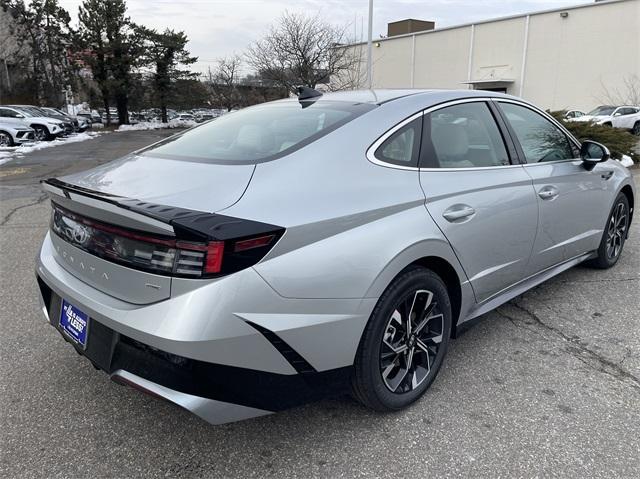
[227, 366]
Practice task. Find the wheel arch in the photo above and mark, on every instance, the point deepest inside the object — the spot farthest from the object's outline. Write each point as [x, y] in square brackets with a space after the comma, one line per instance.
[628, 192]
[449, 275]
[452, 281]
[39, 125]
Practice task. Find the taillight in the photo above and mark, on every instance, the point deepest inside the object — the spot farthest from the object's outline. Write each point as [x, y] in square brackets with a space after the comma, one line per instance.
[158, 254]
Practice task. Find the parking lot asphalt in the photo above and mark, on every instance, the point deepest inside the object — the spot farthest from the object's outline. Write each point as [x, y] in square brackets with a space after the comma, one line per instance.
[546, 386]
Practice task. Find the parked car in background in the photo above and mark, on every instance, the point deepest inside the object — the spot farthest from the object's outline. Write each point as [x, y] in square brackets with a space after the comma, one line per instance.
[321, 244]
[113, 114]
[203, 116]
[14, 132]
[45, 127]
[571, 114]
[627, 117]
[68, 124]
[92, 116]
[185, 117]
[80, 124]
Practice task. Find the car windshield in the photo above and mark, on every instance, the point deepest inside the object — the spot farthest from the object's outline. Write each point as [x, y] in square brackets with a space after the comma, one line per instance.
[260, 133]
[602, 111]
[54, 111]
[32, 111]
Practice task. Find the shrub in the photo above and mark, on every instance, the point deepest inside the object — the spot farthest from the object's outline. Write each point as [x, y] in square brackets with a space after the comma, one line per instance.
[619, 141]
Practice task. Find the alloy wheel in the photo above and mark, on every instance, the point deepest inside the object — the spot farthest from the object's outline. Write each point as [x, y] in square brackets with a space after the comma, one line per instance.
[5, 139]
[636, 129]
[411, 341]
[40, 134]
[616, 230]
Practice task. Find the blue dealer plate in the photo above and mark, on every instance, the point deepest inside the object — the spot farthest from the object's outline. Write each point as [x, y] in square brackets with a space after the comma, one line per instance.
[74, 323]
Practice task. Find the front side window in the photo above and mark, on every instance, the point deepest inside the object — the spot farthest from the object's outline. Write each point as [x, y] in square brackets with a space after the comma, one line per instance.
[7, 113]
[627, 111]
[541, 140]
[402, 147]
[259, 133]
[462, 136]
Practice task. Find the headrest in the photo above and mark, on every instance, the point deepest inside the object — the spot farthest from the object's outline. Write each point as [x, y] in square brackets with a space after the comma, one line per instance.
[449, 140]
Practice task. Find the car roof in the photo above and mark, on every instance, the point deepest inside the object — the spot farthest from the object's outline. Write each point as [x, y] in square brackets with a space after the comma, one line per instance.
[379, 96]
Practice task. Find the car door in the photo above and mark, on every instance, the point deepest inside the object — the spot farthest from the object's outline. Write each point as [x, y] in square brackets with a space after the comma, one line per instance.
[626, 117]
[483, 203]
[572, 200]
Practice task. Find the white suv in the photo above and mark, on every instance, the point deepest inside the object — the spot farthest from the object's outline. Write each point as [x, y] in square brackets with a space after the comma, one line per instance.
[627, 117]
[45, 128]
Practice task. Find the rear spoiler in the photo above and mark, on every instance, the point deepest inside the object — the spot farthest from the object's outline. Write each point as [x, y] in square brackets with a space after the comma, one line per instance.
[171, 221]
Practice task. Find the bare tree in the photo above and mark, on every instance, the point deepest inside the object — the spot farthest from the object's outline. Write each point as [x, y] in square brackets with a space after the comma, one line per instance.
[628, 94]
[223, 82]
[303, 50]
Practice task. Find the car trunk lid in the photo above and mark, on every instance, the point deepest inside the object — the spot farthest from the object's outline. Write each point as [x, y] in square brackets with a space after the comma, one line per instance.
[181, 184]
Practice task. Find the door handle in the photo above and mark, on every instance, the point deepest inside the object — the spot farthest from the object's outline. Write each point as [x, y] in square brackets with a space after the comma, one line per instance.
[548, 193]
[606, 174]
[458, 212]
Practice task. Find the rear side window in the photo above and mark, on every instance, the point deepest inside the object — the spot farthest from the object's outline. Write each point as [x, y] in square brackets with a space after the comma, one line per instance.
[403, 146]
[260, 133]
[540, 139]
[462, 136]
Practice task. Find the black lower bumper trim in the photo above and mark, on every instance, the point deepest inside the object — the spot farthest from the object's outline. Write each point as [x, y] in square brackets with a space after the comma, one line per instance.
[110, 351]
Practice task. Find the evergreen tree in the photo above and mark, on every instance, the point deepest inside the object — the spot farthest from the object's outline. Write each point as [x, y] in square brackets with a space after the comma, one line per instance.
[42, 26]
[166, 53]
[113, 48]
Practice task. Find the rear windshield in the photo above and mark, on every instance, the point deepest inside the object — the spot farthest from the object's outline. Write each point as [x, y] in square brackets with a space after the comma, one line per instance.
[260, 133]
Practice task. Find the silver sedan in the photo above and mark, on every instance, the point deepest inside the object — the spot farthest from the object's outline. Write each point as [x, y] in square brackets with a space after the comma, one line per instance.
[322, 244]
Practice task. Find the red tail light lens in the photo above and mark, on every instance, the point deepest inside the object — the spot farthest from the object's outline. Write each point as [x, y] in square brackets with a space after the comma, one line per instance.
[215, 251]
[158, 254]
[252, 243]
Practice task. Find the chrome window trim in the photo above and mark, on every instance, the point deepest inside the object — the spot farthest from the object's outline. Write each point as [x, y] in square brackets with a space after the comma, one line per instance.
[474, 168]
[373, 148]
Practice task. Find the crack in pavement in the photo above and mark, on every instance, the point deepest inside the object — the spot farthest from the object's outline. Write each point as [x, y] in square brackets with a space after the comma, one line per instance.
[8, 216]
[577, 349]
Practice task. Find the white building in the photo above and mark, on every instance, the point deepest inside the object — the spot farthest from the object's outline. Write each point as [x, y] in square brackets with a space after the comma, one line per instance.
[576, 57]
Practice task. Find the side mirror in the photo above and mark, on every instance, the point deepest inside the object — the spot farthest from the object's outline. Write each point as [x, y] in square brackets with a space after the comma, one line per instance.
[617, 114]
[593, 153]
[19, 116]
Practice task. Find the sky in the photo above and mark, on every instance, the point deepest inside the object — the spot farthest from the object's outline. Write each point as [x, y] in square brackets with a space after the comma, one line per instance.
[217, 28]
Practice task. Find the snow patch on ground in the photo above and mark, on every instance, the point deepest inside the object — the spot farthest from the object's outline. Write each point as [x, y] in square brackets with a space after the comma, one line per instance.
[5, 156]
[626, 161]
[11, 153]
[156, 125]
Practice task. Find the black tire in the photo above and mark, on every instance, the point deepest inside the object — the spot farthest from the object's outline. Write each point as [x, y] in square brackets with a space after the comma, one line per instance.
[607, 124]
[636, 129]
[429, 343]
[614, 235]
[42, 133]
[5, 139]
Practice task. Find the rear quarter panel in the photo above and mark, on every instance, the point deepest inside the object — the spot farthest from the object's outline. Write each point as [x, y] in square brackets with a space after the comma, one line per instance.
[351, 225]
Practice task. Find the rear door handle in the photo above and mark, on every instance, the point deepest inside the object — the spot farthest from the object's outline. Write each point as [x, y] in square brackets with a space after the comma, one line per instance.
[458, 212]
[548, 192]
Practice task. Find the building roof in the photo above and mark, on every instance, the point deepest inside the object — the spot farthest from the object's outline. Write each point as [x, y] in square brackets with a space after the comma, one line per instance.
[496, 19]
